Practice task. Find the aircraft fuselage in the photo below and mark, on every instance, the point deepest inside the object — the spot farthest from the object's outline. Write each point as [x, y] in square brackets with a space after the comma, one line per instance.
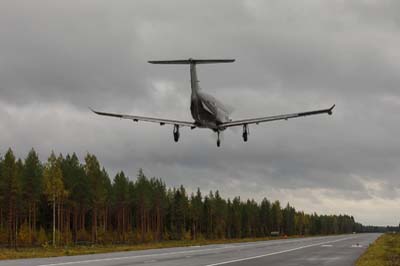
[206, 111]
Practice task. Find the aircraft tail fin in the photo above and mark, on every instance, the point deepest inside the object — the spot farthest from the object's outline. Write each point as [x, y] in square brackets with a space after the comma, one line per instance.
[192, 61]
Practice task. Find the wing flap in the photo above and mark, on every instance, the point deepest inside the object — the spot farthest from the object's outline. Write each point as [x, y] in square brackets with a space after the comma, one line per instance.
[275, 118]
[135, 118]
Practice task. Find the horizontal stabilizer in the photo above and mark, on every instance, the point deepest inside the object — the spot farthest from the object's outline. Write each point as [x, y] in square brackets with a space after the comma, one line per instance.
[192, 61]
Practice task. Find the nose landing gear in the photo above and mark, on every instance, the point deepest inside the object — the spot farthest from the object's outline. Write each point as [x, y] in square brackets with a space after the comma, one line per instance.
[176, 133]
[245, 132]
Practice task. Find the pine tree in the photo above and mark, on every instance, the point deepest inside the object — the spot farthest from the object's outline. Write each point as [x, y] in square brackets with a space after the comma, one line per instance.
[159, 206]
[237, 214]
[276, 213]
[220, 216]
[9, 190]
[143, 203]
[2, 196]
[77, 183]
[289, 220]
[120, 195]
[196, 206]
[265, 217]
[32, 182]
[181, 204]
[107, 199]
[97, 190]
[83, 197]
[209, 215]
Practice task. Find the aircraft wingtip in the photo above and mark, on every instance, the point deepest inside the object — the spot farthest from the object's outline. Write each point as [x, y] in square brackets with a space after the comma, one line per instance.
[91, 109]
[330, 109]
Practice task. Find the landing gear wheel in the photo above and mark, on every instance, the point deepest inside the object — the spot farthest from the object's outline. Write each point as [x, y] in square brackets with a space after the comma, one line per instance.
[176, 133]
[218, 140]
[244, 137]
[245, 133]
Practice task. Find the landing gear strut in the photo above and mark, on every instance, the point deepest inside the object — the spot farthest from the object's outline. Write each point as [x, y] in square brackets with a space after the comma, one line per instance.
[176, 133]
[218, 140]
[245, 132]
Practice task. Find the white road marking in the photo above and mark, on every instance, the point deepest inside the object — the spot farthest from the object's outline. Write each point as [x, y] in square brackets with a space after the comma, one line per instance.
[278, 252]
[326, 246]
[130, 257]
[175, 253]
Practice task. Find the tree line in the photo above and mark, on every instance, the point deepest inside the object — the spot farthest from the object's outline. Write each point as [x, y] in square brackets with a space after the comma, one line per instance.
[64, 201]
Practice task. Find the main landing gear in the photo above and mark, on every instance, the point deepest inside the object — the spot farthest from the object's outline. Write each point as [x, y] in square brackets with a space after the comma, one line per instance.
[218, 140]
[246, 132]
[176, 133]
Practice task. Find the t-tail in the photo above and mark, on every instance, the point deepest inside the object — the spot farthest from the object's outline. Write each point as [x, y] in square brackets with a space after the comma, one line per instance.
[194, 82]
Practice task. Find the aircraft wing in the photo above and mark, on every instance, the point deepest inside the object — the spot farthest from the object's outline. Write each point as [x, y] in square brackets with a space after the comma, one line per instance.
[147, 119]
[274, 118]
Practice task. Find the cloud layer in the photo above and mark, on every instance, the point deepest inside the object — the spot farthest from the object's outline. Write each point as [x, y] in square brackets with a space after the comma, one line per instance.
[59, 57]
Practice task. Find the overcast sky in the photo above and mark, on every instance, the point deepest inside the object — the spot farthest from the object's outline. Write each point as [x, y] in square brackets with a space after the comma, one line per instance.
[59, 57]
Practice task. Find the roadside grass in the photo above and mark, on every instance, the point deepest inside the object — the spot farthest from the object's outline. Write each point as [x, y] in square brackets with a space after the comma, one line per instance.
[384, 251]
[43, 252]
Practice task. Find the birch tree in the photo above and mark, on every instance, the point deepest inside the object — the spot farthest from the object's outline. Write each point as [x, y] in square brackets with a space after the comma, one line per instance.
[53, 186]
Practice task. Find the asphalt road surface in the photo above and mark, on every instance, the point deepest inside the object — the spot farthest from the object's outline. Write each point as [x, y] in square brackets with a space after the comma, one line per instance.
[330, 250]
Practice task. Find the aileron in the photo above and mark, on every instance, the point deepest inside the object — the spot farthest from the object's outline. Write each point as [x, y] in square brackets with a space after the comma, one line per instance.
[276, 117]
[134, 118]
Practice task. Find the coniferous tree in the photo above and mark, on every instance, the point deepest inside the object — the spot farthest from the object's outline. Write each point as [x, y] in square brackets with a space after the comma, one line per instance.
[181, 204]
[159, 206]
[220, 216]
[107, 199]
[20, 207]
[265, 217]
[288, 215]
[209, 215]
[143, 204]
[10, 189]
[83, 197]
[77, 183]
[120, 195]
[196, 206]
[276, 214]
[236, 218]
[97, 191]
[32, 187]
[2, 198]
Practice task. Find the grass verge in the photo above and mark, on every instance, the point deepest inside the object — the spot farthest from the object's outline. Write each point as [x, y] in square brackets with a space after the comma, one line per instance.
[42, 252]
[385, 251]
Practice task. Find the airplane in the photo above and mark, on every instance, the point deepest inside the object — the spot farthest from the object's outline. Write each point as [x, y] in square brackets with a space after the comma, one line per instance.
[208, 112]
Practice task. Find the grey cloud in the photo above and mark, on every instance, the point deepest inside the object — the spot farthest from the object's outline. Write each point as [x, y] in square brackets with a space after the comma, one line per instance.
[57, 58]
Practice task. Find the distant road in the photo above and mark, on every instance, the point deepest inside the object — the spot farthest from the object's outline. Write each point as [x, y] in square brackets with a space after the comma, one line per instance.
[331, 250]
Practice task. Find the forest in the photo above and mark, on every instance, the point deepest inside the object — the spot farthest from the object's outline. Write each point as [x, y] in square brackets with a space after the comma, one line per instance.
[64, 201]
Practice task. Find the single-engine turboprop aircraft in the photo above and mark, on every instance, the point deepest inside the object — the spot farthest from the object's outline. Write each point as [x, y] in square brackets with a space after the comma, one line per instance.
[206, 111]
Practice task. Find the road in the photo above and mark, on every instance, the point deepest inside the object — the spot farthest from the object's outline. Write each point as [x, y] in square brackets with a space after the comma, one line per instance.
[330, 250]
